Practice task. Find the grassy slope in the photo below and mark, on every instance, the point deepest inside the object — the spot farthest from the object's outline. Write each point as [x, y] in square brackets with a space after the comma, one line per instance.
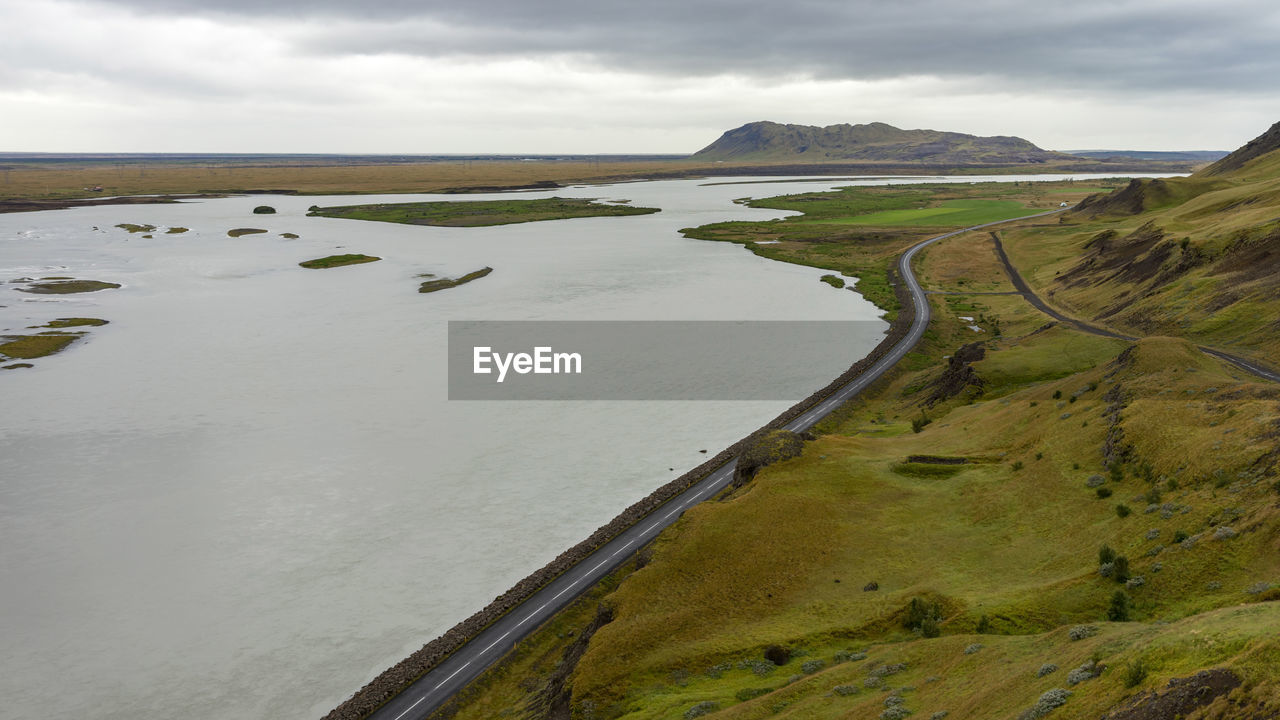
[1209, 276]
[482, 212]
[1012, 536]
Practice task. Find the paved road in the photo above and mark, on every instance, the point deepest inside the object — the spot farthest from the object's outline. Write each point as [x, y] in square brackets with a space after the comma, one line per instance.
[1025, 290]
[435, 688]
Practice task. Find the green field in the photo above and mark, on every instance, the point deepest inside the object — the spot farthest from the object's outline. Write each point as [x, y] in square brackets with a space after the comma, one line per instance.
[948, 213]
[836, 230]
[481, 212]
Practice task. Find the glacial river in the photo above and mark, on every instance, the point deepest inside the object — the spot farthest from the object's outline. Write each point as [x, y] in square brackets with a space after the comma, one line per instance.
[248, 494]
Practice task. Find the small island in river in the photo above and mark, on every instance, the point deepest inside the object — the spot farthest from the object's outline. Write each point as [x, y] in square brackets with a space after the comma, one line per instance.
[446, 283]
[334, 261]
[480, 212]
[51, 342]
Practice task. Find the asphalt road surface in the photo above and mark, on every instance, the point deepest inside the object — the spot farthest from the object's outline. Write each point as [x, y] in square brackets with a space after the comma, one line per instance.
[1025, 290]
[436, 687]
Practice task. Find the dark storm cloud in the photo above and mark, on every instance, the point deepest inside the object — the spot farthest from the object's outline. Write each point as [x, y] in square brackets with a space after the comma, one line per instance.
[1140, 45]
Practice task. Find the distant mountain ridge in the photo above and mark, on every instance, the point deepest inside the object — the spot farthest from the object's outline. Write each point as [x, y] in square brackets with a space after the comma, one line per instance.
[1195, 156]
[873, 142]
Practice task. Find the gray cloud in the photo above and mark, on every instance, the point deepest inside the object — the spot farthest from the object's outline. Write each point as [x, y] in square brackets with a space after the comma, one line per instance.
[1140, 45]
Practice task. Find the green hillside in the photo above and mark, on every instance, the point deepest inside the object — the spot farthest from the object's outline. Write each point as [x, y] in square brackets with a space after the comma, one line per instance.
[1022, 520]
[1196, 257]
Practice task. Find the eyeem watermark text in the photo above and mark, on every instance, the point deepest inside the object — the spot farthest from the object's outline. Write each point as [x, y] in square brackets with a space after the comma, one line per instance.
[543, 361]
[651, 359]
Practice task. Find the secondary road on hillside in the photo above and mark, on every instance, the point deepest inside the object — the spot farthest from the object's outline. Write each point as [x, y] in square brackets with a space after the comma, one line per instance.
[1025, 290]
[435, 688]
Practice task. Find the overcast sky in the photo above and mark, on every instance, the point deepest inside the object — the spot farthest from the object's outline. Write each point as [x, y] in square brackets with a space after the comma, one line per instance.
[641, 76]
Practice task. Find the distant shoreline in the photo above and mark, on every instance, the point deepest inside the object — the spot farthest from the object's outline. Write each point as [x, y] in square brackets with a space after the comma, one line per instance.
[31, 184]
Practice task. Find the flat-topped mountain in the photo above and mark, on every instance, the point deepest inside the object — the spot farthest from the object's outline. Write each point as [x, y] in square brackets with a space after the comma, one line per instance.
[877, 142]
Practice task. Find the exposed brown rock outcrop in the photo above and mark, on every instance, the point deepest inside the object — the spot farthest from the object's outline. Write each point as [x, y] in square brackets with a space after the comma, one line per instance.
[958, 375]
[1181, 697]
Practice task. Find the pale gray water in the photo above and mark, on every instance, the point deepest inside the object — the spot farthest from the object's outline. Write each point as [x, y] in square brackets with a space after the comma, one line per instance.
[247, 495]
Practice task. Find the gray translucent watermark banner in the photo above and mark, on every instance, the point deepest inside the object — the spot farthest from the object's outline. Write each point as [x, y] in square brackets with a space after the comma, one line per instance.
[652, 360]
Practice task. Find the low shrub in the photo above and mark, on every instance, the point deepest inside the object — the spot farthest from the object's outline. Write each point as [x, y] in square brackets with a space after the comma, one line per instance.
[1123, 510]
[1106, 554]
[1121, 607]
[746, 694]
[1103, 493]
[706, 707]
[1134, 673]
[920, 610]
[718, 671]
[1046, 669]
[1087, 671]
[887, 670]
[1048, 702]
[812, 666]
[974, 648]
[845, 690]
[897, 712]
[1120, 569]
[850, 656]
[758, 667]
[1080, 632]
